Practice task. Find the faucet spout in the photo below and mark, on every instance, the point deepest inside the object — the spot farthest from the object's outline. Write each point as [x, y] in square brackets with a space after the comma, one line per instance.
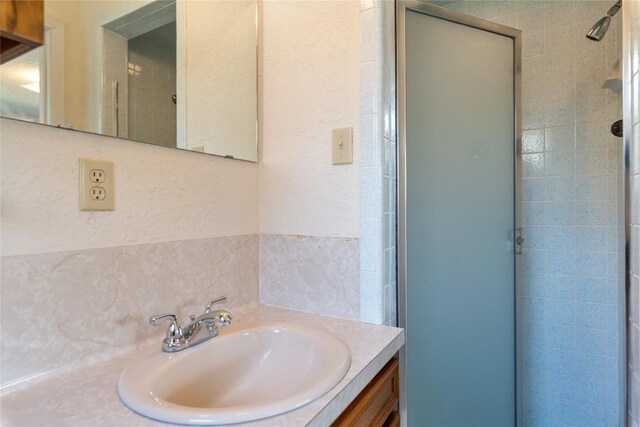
[204, 326]
[223, 317]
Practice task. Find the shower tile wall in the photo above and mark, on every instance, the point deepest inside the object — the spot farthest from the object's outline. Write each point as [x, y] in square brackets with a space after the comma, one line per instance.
[114, 70]
[389, 162]
[152, 82]
[378, 159]
[571, 193]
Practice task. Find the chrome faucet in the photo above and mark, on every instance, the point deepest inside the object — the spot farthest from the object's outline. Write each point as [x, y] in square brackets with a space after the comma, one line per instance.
[200, 329]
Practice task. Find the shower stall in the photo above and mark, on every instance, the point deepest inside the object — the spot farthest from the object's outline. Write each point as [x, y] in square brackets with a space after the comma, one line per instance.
[139, 82]
[511, 213]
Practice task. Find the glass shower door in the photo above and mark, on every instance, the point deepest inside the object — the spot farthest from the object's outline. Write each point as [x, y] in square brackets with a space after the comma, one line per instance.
[460, 218]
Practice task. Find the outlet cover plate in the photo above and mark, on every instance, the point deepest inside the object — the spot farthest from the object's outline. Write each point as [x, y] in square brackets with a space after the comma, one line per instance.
[96, 177]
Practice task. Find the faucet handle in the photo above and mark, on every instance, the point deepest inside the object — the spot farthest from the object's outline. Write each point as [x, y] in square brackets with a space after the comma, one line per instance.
[174, 329]
[156, 320]
[214, 301]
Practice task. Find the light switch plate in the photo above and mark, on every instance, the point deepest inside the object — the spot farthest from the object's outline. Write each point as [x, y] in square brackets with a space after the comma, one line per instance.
[96, 185]
[342, 146]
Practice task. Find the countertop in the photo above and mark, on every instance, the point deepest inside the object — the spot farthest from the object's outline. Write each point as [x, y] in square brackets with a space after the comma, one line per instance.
[86, 395]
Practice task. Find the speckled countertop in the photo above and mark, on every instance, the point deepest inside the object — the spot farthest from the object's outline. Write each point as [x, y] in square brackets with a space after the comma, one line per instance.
[87, 396]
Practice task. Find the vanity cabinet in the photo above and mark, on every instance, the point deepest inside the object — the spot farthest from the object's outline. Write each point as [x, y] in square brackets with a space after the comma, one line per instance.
[21, 27]
[377, 404]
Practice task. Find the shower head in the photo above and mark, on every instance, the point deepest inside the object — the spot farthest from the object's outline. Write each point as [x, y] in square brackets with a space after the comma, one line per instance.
[598, 31]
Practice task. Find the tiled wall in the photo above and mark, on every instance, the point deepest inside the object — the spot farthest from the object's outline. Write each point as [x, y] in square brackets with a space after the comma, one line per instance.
[312, 274]
[152, 113]
[389, 179]
[571, 193]
[631, 29]
[64, 308]
[115, 70]
[378, 160]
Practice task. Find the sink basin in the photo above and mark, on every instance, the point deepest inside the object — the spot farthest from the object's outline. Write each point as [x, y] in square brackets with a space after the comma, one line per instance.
[250, 371]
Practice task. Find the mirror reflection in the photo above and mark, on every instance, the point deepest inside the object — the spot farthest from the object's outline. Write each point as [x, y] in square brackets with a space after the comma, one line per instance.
[174, 73]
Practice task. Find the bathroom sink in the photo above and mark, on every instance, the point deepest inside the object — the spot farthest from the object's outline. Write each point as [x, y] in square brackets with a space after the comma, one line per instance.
[248, 372]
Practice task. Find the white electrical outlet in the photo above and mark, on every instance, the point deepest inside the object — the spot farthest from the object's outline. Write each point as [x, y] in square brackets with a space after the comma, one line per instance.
[342, 146]
[98, 193]
[97, 175]
[96, 185]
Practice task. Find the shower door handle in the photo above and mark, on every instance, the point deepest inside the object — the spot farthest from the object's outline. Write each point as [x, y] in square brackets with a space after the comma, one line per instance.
[519, 240]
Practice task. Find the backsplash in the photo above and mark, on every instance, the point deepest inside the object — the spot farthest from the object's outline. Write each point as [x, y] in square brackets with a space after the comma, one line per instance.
[313, 274]
[64, 308]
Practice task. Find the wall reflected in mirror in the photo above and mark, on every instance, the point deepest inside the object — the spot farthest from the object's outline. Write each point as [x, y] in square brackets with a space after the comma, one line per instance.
[20, 89]
[174, 73]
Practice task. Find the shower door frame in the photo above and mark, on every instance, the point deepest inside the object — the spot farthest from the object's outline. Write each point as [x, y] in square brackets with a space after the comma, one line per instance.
[402, 6]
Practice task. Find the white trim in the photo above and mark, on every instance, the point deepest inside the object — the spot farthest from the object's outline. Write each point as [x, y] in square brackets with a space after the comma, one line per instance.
[53, 102]
[181, 74]
[625, 372]
[43, 107]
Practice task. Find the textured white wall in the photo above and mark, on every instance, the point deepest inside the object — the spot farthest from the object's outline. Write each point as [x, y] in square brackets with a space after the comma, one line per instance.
[311, 84]
[69, 13]
[82, 22]
[221, 84]
[311, 68]
[161, 194]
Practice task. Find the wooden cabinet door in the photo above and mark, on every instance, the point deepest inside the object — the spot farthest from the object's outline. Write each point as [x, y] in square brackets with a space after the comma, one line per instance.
[377, 404]
[21, 27]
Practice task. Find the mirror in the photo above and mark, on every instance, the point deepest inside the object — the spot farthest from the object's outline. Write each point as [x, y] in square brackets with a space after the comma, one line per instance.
[178, 73]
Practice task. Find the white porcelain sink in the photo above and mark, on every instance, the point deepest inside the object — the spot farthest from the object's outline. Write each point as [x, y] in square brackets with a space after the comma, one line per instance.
[249, 371]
